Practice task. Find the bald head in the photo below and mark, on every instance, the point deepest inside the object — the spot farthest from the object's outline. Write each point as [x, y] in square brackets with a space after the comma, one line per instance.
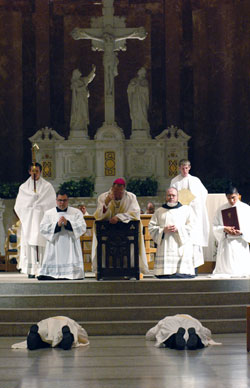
[171, 195]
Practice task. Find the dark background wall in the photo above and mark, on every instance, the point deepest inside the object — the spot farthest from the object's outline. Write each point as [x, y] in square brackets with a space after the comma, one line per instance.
[197, 55]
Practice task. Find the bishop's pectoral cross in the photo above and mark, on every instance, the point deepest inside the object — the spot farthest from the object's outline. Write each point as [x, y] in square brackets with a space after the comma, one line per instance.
[108, 34]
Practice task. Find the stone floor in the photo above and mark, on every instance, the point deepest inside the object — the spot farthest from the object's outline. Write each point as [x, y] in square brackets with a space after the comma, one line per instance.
[129, 361]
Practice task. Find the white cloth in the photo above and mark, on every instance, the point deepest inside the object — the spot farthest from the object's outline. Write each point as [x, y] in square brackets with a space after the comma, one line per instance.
[233, 256]
[30, 208]
[174, 250]
[214, 201]
[50, 331]
[127, 209]
[200, 233]
[63, 253]
[170, 325]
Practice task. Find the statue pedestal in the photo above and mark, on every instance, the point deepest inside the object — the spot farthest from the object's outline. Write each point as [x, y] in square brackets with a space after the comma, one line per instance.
[110, 159]
[140, 134]
[78, 134]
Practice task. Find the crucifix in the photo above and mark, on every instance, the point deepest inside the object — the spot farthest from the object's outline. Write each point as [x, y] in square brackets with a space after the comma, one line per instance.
[108, 33]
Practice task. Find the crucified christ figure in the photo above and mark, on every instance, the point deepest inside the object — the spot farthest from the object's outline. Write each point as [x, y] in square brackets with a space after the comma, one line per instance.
[109, 45]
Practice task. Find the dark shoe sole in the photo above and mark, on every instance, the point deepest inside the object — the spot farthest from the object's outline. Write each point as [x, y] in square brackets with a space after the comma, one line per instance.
[192, 341]
[67, 339]
[33, 338]
[180, 342]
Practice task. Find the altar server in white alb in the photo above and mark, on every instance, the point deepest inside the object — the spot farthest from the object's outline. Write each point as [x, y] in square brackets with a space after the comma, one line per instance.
[35, 196]
[233, 256]
[62, 227]
[171, 228]
[201, 231]
[115, 205]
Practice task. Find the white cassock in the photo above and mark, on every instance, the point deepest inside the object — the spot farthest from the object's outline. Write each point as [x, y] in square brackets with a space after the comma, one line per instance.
[63, 253]
[170, 325]
[126, 209]
[30, 208]
[201, 230]
[233, 256]
[174, 250]
[50, 331]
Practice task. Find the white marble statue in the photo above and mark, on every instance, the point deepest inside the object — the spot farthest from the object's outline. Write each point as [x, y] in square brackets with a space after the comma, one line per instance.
[138, 99]
[109, 33]
[79, 108]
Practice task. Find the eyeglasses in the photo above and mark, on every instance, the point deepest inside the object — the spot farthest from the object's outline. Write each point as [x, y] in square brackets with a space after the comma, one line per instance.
[62, 200]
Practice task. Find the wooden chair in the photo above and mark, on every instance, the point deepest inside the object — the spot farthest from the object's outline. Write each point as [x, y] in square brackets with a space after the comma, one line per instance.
[149, 244]
[117, 250]
[11, 252]
[86, 243]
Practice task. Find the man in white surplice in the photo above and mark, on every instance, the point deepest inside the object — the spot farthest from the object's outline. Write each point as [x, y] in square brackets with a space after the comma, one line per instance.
[233, 256]
[62, 227]
[31, 203]
[171, 227]
[201, 230]
[119, 205]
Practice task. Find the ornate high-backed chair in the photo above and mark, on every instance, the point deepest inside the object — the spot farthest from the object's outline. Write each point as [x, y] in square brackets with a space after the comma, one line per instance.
[117, 249]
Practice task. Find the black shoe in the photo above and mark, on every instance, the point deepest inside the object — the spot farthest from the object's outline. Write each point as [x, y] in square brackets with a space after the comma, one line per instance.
[67, 339]
[45, 277]
[33, 338]
[170, 342]
[180, 343]
[31, 276]
[192, 341]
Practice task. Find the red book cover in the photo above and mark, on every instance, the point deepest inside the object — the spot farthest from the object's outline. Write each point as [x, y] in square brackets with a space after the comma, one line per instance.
[230, 217]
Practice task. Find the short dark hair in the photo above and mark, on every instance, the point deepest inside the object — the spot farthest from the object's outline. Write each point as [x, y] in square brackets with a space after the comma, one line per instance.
[37, 165]
[231, 190]
[62, 192]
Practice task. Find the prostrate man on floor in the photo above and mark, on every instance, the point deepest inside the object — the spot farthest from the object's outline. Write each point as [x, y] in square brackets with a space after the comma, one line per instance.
[60, 331]
[201, 231]
[171, 228]
[180, 331]
[62, 227]
[35, 196]
[115, 205]
[233, 256]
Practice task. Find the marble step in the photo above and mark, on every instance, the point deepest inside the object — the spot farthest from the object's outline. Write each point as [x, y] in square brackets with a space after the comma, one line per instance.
[34, 287]
[124, 307]
[123, 313]
[125, 299]
[216, 326]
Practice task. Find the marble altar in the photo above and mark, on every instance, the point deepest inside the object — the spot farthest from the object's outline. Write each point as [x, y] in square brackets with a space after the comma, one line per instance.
[109, 155]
